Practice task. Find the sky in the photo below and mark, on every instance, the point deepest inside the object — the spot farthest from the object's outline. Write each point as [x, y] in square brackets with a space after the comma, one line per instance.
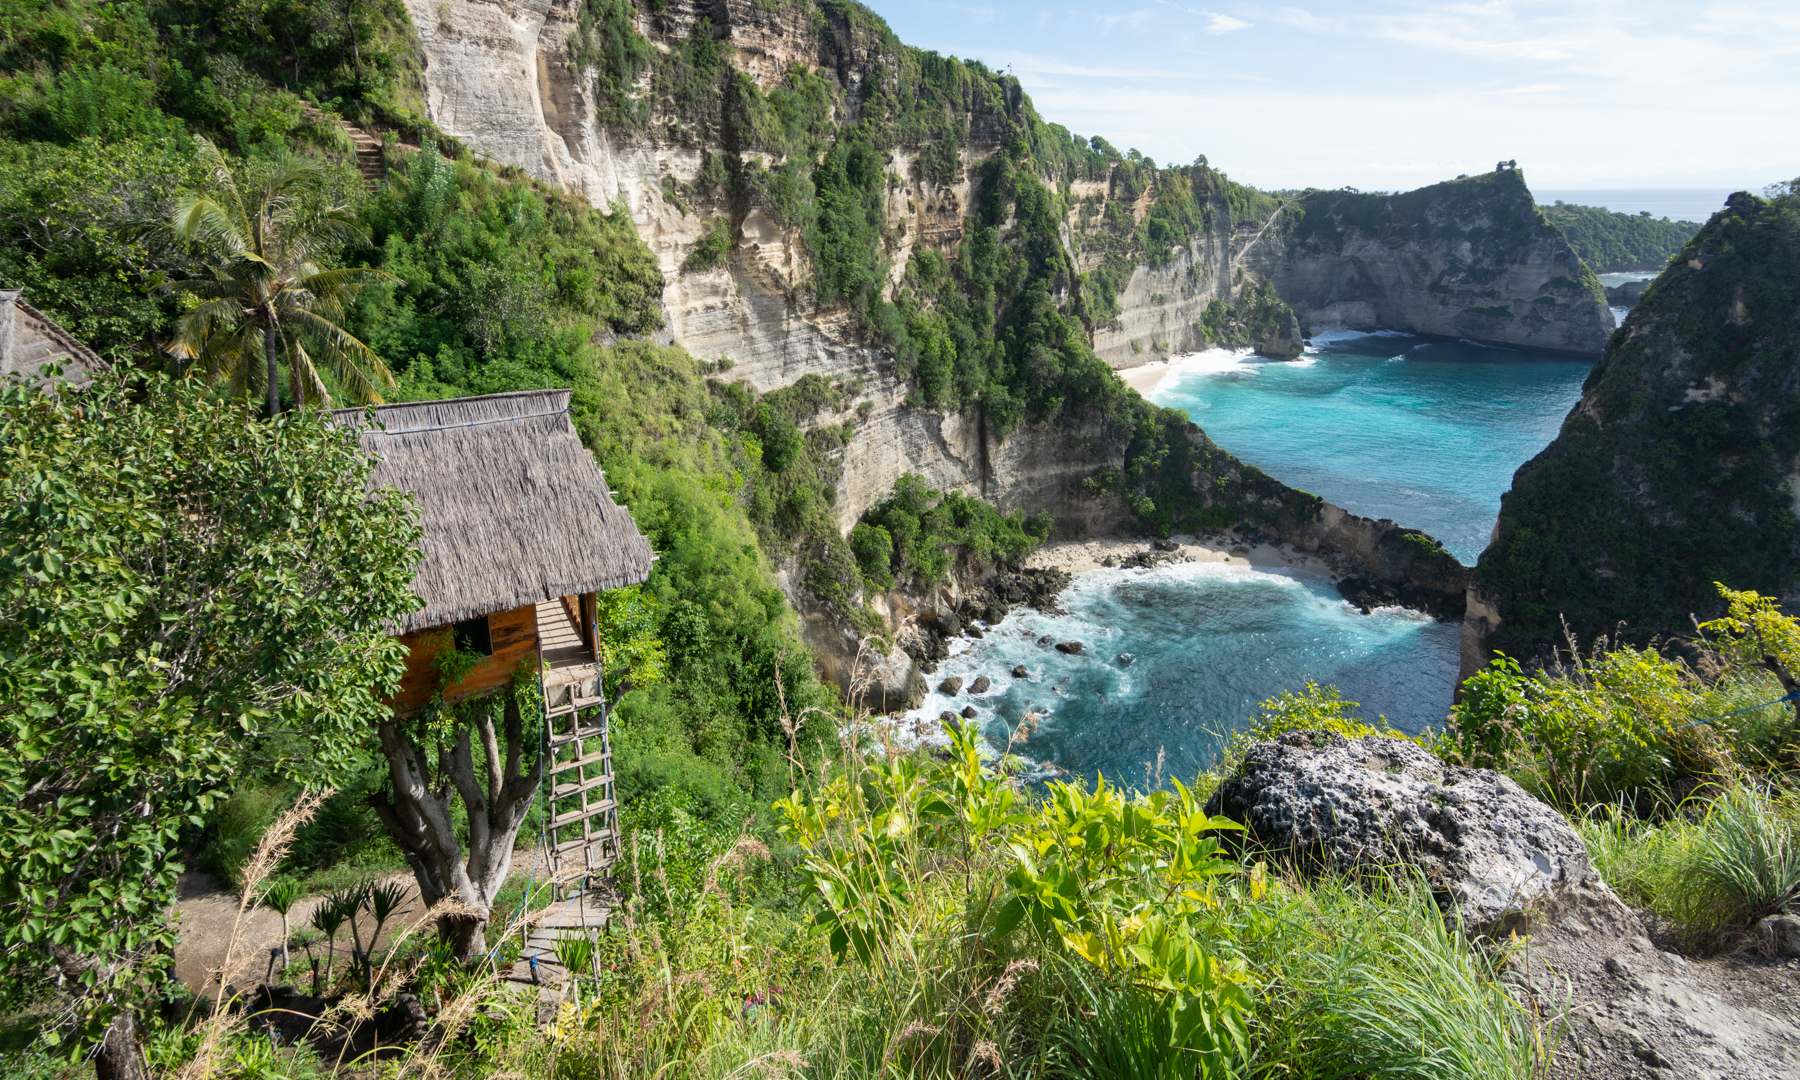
[1393, 95]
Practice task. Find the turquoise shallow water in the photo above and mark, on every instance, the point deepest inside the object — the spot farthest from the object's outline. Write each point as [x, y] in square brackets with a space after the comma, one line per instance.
[1425, 432]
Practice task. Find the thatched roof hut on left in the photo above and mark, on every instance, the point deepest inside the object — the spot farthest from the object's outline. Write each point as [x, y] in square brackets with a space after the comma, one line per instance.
[520, 531]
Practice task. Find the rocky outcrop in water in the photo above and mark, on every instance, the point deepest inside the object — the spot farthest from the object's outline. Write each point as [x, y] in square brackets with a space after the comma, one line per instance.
[1470, 258]
[1680, 465]
[1627, 294]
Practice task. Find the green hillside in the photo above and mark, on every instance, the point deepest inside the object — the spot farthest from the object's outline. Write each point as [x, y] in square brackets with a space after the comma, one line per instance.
[1611, 242]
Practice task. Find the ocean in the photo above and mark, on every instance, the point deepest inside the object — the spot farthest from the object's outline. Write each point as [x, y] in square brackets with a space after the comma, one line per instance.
[1424, 431]
[1676, 204]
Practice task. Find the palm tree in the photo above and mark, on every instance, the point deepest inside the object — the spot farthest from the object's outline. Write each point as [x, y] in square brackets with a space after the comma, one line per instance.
[266, 294]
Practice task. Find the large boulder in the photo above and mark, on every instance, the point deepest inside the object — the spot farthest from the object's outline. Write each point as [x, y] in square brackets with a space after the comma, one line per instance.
[1496, 857]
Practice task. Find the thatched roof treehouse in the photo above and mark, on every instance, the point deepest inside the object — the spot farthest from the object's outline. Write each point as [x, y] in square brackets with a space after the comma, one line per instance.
[29, 339]
[520, 533]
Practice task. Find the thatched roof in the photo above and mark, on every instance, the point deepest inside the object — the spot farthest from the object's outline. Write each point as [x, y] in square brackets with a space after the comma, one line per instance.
[29, 339]
[513, 506]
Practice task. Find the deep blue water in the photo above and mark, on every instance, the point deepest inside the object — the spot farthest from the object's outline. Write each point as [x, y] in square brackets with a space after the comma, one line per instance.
[1425, 432]
[1208, 644]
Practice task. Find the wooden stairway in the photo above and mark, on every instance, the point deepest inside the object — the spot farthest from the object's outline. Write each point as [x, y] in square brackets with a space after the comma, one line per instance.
[583, 807]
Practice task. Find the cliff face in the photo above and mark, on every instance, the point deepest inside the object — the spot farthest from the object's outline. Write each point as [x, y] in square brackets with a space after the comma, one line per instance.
[1472, 258]
[506, 80]
[734, 135]
[1680, 465]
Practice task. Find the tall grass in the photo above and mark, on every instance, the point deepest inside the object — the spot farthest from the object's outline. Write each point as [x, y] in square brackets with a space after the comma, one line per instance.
[1367, 980]
[1713, 871]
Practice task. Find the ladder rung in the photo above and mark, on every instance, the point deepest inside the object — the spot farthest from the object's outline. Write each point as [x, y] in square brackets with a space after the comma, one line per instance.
[557, 768]
[576, 705]
[601, 837]
[563, 791]
[557, 742]
[602, 807]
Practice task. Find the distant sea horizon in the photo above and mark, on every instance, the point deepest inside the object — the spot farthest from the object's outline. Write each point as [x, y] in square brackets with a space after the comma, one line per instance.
[1676, 204]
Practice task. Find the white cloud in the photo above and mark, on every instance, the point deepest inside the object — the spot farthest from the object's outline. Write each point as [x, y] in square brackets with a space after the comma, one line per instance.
[1215, 22]
[1534, 88]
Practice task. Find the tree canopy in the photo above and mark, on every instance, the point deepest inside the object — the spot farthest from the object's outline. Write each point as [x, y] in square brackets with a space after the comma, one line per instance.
[186, 594]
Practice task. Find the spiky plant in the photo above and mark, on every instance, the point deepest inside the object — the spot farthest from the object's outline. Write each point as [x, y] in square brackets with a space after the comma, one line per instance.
[280, 898]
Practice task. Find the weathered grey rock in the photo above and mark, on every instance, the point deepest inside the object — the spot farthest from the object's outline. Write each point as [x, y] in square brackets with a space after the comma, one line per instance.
[950, 685]
[1045, 640]
[980, 685]
[1021, 672]
[1073, 648]
[1282, 343]
[969, 712]
[1779, 935]
[1498, 859]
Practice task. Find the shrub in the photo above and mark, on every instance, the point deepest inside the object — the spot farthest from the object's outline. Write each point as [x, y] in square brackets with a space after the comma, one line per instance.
[1714, 873]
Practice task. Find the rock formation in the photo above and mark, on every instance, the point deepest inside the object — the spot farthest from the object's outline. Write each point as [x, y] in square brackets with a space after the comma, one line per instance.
[1141, 261]
[1470, 258]
[1680, 465]
[1506, 864]
[1498, 859]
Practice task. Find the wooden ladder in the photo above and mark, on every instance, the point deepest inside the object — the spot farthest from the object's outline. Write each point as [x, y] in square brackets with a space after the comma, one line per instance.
[582, 805]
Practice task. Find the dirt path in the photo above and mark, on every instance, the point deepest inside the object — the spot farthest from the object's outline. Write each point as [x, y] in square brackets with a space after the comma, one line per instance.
[208, 909]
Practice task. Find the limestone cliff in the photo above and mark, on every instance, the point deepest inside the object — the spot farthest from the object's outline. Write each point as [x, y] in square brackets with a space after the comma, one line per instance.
[1680, 465]
[507, 80]
[1470, 258]
[824, 201]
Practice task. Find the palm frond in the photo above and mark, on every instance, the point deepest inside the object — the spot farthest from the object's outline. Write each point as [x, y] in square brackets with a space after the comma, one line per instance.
[303, 378]
[230, 200]
[352, 363]
[201, 219]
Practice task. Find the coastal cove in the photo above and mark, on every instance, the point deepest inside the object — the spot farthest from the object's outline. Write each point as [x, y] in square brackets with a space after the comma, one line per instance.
[1425, 431]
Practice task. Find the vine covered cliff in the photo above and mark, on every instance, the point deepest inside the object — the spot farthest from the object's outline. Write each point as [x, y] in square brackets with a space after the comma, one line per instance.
[1472, 258]
[1680, 465]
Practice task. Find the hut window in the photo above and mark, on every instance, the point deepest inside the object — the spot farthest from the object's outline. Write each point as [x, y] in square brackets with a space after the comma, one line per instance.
[472, 635]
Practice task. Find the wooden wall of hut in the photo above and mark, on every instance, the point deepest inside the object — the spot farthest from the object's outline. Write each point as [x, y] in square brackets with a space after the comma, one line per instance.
[513, 635]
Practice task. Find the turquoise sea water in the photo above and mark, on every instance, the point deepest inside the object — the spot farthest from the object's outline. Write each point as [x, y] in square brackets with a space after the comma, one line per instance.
[1425, 432]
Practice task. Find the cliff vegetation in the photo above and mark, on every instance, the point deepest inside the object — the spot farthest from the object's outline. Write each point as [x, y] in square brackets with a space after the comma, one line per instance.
[1610, 242]
[1677, 467]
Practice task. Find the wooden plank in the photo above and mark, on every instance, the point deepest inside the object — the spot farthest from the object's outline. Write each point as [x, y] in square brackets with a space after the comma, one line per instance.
[559, 767]
[563, 791]
[582, 814]
[513, 635]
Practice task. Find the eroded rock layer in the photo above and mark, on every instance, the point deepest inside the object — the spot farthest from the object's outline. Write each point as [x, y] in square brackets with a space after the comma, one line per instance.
[1471, 258]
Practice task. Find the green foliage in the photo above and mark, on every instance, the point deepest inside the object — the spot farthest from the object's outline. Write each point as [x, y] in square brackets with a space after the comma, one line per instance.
[1611, 242]
[606, 40]
[1714, 869]
[908, 536]
[182, 595]
[1259, 313]
[1612, 727]
[79, 231]
[712, 249]
[1649, 496]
